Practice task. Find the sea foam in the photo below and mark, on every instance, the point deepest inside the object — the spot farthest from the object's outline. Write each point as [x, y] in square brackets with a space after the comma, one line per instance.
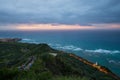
[103, 51]
[68, 47]
[27, 40]
[74, 48]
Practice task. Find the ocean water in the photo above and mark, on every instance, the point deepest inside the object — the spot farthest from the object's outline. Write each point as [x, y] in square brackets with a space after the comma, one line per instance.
[101, 46]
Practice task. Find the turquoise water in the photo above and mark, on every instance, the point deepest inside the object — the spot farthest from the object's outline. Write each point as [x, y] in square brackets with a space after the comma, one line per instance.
[97, 46]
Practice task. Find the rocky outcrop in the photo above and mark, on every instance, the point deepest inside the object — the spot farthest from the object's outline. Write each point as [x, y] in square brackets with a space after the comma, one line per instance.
[10, 39]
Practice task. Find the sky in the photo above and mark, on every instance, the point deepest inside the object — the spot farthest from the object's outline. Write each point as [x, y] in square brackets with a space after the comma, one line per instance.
[59, 14]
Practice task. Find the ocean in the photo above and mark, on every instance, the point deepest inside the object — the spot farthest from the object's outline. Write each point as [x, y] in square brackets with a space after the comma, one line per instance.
[101, 46]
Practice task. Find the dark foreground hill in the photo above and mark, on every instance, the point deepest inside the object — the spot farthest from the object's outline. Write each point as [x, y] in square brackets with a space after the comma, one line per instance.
[24, 61]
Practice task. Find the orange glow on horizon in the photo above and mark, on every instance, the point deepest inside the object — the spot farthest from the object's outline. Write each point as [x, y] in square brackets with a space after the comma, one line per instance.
[52, 27]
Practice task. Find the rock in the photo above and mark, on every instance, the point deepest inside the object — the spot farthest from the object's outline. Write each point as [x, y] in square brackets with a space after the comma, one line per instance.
[10, 39]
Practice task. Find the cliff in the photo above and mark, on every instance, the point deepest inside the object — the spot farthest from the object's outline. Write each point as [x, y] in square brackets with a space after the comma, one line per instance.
[25, 61]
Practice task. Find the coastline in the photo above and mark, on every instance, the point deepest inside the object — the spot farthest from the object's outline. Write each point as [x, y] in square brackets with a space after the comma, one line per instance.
[94, 65]
[98, 67]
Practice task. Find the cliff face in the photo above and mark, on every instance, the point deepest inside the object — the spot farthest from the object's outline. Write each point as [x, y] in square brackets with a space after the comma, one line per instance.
[23, 61]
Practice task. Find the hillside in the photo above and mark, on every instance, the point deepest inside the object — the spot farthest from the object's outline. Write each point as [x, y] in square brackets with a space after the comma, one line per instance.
[25, 61]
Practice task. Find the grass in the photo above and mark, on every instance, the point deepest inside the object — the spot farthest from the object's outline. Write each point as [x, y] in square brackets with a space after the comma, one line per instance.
[45, 66]
[70, 78]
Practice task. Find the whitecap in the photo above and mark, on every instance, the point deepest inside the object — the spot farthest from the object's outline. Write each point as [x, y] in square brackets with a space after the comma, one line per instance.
[69, 47]
[78, 49]
[103, 51]
[50, 44]
[112, 61]
[57, 45]
[26, 39]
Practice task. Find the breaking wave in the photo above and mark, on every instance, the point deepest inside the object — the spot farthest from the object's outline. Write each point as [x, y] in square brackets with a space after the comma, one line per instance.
[71, 47]
[74, 48]
[24, 40]
[68, 47]
[114, 62]
[103, 51]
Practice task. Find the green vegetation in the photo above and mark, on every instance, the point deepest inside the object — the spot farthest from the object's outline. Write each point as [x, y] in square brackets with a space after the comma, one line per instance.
[23, 61]
[70, 78]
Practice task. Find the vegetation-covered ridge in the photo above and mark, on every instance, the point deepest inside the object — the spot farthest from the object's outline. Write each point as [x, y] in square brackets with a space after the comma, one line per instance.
[27, 61]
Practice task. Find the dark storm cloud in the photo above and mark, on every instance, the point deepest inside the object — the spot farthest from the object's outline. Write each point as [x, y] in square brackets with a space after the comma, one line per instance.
[82, 12]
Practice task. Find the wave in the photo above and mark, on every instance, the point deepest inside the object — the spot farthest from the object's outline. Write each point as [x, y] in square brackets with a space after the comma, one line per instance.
[103, 51]
[24, 40]
[114, 62]
[68, 47]
[78, 49]
[74, 48]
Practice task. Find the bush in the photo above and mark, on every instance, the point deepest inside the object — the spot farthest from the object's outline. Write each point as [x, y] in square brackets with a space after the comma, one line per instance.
[8, 74]
[70, 78]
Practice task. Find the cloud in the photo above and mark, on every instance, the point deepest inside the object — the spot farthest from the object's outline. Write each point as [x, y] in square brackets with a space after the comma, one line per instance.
[45, 27]
[29, 27]
[83, 12]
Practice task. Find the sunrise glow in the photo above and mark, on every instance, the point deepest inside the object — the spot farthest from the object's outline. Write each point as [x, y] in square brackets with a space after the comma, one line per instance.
[52, 27]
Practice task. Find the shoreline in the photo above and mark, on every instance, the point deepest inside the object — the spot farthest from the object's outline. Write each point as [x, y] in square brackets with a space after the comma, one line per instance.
[85, 61]
[94, 65]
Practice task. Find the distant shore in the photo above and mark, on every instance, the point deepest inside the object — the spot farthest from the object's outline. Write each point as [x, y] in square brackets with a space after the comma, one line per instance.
[10, 39]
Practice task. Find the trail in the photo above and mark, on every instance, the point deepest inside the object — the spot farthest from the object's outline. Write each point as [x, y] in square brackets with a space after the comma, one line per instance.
[27, 64]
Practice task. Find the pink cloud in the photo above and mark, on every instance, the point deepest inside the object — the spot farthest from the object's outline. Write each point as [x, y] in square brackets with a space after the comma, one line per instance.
[30, 27]
[52, 27]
